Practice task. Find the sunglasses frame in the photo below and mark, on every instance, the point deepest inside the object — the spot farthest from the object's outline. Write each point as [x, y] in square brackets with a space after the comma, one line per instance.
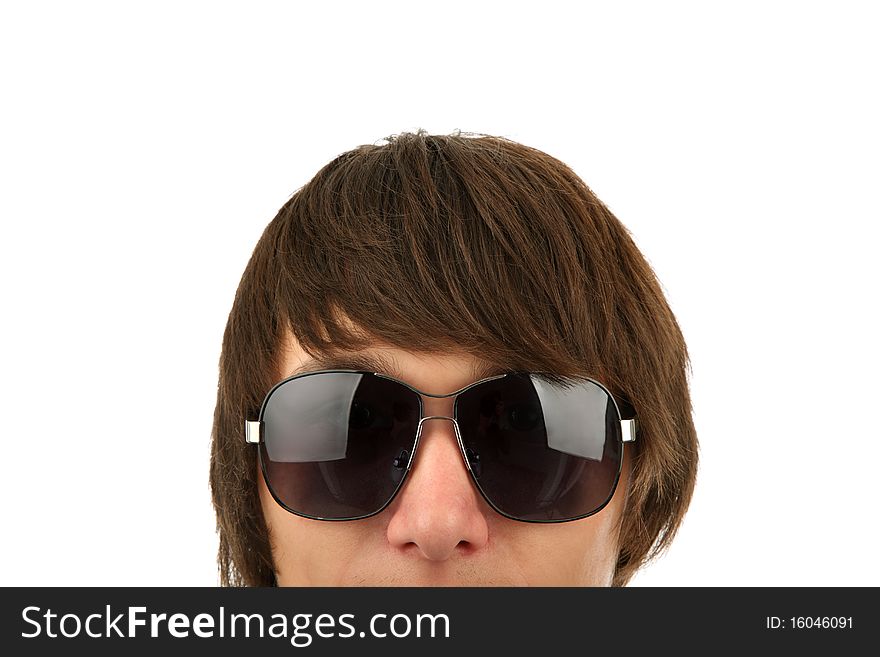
[254, 436]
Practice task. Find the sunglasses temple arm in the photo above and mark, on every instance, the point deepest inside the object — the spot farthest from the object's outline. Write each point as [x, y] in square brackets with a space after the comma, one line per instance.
[252, 431]
[629, 428]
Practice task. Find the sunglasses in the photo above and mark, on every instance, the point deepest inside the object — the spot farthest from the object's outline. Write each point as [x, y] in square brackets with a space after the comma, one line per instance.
[338, 444]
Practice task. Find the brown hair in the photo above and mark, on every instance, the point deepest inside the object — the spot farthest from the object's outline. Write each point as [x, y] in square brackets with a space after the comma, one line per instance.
[468, 240]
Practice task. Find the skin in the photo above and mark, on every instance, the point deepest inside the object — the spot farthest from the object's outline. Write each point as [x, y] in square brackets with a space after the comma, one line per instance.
[439, 531]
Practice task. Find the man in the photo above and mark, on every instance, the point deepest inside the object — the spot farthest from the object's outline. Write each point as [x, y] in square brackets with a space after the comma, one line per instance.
[447, 364]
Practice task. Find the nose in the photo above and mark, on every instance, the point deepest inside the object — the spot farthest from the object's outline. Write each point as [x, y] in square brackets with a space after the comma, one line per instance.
[438, 510]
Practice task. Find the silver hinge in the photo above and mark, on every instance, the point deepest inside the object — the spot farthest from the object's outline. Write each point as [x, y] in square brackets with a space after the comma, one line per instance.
[252, 431]
[629, 430]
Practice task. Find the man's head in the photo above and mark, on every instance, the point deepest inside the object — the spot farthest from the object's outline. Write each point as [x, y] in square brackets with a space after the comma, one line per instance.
[444, 258]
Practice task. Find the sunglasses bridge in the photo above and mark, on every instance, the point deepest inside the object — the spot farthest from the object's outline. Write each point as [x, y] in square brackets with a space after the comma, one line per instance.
[469, 460]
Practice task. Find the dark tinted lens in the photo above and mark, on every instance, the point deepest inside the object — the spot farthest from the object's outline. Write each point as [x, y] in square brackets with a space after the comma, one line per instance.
[337, 445]
[541, 451]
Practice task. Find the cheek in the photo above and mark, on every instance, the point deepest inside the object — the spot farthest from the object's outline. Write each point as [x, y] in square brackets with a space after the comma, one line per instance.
[600, 536]
[580, 553]
[288, 539]
[307, 552]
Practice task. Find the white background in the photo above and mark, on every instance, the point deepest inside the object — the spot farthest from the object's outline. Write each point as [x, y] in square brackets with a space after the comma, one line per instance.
[145, 146]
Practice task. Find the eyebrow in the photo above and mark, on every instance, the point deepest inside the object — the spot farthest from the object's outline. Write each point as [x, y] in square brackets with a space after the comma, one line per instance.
[369, 362]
